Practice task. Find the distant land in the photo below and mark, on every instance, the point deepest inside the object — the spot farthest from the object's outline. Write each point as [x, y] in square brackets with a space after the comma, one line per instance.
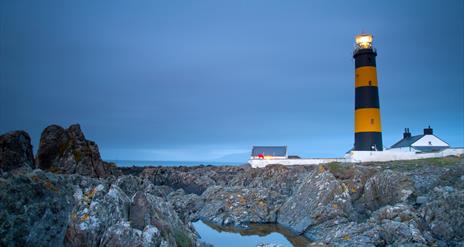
[231, 159]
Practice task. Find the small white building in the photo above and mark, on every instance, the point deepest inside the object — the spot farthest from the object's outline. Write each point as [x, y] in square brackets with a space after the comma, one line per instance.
[425, 143]
[269, 152]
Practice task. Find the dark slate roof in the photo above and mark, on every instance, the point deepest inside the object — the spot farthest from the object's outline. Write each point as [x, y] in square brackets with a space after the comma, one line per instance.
[269, 150]
[407, 142]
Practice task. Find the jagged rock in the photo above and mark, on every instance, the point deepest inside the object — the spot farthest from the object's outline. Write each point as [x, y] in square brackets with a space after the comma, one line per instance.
[186, 205]
[131, 184]
[15, 151]
[39, 208]
[99, 206]
[319, 198]
[34, 208]
[67, 151]
[390, 225]
[444, 213]
[240, 206]
[191, 179]
[385, 188]
[148, 210]
[279, 178]
[122, 234]
[104, 214]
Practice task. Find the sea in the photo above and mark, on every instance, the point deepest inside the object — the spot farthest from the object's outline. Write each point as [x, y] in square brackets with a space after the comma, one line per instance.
[141, 163]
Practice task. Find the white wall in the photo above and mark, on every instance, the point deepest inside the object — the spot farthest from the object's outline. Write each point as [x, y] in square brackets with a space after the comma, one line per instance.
[429, 141]
[392, 154]
[255, 163]
[361, 156]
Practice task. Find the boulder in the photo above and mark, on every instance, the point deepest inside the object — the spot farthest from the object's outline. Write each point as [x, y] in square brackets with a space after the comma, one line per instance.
[239, 205]
[105, 215]
[150, 211]
[397, 225]
[99, 206]
[186, 205]
[131, 184]
[67, 151]
[34, 208]
[386, 187]
[191, 179]
[279, 178]
[122, 234]
[15, 151]
[444, 214]
[319, 198]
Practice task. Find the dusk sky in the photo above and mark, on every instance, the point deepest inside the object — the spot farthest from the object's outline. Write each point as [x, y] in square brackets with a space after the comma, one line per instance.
[200, 80]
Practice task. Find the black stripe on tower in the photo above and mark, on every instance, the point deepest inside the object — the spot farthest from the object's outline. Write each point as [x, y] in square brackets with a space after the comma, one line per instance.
[366, 97]
[363, 141]
[364, 57]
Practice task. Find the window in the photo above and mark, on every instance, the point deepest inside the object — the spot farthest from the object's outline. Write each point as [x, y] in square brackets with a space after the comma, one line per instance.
[372, 121]
[370, 83]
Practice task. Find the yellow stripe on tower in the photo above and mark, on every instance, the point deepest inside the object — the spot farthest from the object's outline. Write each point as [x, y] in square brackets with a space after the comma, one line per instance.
[367, 120]
[365, 76]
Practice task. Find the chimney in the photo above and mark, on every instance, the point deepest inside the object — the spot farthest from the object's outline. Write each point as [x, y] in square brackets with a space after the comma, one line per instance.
[428, 131]
[406, 133]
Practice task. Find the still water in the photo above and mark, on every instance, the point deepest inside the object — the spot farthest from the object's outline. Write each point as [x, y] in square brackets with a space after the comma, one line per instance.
[221, 236]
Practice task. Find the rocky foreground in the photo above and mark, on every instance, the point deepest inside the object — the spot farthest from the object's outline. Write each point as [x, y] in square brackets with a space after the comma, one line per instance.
[68, 196]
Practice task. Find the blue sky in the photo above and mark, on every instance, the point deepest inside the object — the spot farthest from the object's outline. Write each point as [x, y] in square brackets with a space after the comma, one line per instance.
[199, 80]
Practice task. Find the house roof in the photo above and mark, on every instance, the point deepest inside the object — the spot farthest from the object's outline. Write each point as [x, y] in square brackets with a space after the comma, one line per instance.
[407, 142]
[269, 150]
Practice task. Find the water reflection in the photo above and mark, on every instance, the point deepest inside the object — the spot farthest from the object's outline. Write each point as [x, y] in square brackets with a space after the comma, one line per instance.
[256, 234]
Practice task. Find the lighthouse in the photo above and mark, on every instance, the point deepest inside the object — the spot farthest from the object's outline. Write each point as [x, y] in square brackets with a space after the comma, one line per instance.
[367, 126]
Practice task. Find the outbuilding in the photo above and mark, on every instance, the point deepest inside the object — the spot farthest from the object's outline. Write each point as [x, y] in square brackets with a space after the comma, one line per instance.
[428, 142]
[269, 152]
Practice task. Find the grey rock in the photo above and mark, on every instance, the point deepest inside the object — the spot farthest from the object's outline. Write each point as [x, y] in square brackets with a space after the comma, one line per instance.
[34, 209]
[279, 178]
[319, 198]
[421, 200]
[15, 151]
[444, 214]
[186, 205]
[385, 188]
[239, 206]
[148, 210]
[122, 234]
[191, 179]
[99, 206]
[390, 225]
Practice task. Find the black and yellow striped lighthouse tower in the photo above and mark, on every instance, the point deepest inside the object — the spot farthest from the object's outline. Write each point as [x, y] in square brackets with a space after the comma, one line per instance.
[368, 131]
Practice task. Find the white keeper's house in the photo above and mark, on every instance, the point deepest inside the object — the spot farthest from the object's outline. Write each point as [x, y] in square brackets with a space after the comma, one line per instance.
[425, 143]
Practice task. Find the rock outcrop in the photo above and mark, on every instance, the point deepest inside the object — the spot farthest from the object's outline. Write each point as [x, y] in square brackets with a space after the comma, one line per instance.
[191, 179]
[444, 214]
[39, 208]
[67, 151]
[385, 188]
[319, 198]
[15, 151]
[74, 199]
[240, 206]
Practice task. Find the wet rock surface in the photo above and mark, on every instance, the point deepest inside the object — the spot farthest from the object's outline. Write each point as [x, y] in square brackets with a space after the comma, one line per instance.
[73, 200]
